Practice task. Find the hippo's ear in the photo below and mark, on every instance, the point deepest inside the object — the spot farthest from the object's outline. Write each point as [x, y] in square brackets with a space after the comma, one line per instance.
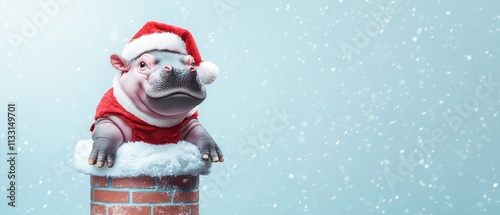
[119, 63]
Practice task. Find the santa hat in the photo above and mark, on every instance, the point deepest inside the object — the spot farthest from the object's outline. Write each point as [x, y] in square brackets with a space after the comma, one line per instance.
[159, 36]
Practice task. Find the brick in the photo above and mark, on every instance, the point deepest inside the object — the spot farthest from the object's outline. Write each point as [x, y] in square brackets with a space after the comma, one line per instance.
[178, 182]
[138, 182]
[150, 197]
[185, 196]
[172, 210]
[129, 210]
[98, 181]
[195, 209]
[195, 182]
[96, 209]
[110, 196]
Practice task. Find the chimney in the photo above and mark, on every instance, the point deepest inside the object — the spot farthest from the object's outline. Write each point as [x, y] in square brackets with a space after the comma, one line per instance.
[157, 179]
[144, 195]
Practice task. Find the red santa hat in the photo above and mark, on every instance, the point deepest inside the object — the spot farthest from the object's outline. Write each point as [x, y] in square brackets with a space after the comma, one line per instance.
[159, 36]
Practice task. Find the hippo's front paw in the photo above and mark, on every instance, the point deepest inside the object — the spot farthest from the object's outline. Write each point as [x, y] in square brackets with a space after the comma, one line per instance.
[210, 149]
[103, 151]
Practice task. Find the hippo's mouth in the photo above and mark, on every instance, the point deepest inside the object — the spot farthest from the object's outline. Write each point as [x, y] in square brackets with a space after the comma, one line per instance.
[179, 93]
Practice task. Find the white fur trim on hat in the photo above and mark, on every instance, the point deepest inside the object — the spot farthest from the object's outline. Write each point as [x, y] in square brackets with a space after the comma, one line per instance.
[160, 41]
[138, 158]
[207, 71]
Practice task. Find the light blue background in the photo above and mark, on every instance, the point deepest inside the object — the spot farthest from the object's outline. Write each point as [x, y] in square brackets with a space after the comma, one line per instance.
[351, 136]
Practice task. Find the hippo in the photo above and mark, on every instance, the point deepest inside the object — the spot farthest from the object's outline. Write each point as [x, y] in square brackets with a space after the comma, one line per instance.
[160, 83]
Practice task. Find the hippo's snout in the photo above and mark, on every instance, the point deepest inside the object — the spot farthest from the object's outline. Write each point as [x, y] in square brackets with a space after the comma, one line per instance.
[174, 86]
[171, 81]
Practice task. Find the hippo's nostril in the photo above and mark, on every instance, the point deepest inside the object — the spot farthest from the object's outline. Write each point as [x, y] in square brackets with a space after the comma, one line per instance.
[168, 68]
[191, 68]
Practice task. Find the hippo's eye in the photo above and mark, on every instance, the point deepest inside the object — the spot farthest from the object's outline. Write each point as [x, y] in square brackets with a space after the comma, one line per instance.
[142, 64]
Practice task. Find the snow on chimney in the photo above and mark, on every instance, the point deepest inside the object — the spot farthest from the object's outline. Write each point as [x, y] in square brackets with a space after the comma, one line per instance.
[146, 179]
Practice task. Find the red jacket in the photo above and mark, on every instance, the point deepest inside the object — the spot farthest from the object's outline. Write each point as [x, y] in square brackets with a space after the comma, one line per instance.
[141, 131]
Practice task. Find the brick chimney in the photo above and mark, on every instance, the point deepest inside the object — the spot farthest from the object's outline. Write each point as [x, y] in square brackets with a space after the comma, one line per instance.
[144, 195]
[155, 180]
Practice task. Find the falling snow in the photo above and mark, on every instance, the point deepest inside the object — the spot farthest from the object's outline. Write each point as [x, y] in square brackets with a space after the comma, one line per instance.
[320, 107]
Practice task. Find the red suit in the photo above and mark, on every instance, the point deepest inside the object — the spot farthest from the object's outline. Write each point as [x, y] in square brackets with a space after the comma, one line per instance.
[141, 130]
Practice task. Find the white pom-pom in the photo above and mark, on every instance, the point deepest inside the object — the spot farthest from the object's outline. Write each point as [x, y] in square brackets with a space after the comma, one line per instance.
[207, 71]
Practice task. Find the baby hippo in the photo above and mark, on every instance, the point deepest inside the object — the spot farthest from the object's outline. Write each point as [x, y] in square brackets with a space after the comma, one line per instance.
[154, 99]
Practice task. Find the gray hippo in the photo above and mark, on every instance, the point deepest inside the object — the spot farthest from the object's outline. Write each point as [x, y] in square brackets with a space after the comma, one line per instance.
[160, 82]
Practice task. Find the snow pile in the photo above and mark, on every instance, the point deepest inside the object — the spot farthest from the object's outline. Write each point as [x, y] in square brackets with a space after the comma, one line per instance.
[138, 158]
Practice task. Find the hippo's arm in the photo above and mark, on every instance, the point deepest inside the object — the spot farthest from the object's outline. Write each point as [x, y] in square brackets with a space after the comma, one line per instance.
[107, 136]
[194, 132]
